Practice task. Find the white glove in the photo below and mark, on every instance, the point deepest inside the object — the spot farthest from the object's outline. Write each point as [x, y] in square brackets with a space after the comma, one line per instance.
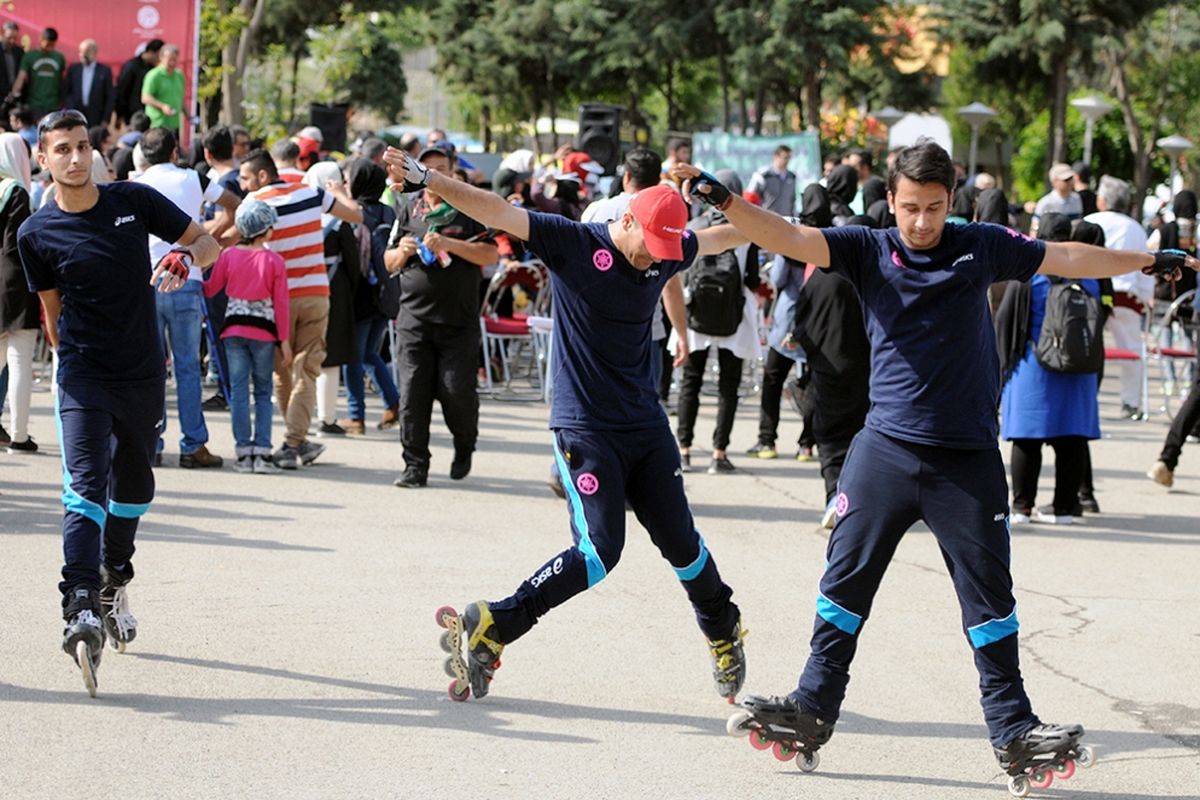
[404, 169]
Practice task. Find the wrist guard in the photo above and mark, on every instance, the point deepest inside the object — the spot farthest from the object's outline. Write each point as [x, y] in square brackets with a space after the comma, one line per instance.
[717, 195]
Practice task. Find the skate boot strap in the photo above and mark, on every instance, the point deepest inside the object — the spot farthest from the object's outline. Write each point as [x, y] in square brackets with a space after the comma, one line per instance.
[721, 649]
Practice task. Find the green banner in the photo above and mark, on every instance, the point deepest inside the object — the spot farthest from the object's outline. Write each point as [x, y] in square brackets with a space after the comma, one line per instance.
[747, 154]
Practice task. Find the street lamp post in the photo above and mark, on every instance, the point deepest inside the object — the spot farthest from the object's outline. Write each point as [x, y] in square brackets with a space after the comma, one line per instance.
[975, 115]
[1092, 108]
[1174, 146]
[888, 115]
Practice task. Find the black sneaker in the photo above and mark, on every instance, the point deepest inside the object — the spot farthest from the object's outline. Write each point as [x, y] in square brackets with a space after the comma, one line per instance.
[27, 446]
[461, 466]
[5, 439]
[1087, 502]
[721, 466]
[215, 403]
[331, 429]
[412, 478]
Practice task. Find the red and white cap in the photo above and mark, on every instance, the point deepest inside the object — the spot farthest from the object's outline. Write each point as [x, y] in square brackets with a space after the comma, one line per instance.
[663, 216]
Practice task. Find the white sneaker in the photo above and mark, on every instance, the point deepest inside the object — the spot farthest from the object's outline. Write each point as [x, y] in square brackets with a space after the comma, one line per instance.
[1161, 474]
[1017, 518]
[1047, 517]
[263, 465]
[244, 464]
[830, 516]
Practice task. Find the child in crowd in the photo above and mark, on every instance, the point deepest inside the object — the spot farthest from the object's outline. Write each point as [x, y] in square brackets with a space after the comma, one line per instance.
[255, 280]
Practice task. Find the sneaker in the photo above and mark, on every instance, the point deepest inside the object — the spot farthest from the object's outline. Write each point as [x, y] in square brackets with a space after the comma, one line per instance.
[1047, 515]
[27, 446]
[685, 462]
[413, 478]
[5, 439]
[1161, 474]
[1020, 516]
[762, 450]
[729, 662]
[1193, 438]
[721, 466]
[829, 518]
[391, 418]
[201, 458]
[263, 465]
[354, 427]
[804, 454]
[158, 459]
[1132, 412]
[309, 452]
[461, 466]
[215, 403]
[1087, 502]
[287, 457]
[244, 464]
[330, 429]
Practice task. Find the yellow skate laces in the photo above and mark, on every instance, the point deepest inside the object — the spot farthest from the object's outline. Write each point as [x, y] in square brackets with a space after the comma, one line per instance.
[722, 649]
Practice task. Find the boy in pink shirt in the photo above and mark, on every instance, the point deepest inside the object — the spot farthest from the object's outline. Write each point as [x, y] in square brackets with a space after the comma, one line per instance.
[255, 280]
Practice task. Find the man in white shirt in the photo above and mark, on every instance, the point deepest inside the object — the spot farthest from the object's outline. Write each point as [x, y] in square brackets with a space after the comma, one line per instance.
[1061, 199]
[179, 312]
[1131, 291]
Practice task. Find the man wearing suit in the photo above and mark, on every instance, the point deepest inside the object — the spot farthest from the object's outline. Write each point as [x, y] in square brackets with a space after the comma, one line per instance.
[11, 54]
[90, 86]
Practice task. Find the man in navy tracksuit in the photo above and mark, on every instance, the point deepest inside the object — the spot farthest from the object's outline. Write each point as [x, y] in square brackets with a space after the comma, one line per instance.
[612, 440]
[86, 256]
[929, 449]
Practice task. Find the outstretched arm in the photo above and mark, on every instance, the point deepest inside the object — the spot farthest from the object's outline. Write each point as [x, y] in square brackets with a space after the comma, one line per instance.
[1078, 260]
[719, 239]
[482, 206]
[768, 230]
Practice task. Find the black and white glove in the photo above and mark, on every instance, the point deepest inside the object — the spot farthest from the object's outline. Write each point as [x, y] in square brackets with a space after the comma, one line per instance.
[1167, 264]
[406, 171]
[717, 195]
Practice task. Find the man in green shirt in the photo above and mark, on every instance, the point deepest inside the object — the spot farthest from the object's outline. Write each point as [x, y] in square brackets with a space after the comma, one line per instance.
[42, 70]
[162, 90]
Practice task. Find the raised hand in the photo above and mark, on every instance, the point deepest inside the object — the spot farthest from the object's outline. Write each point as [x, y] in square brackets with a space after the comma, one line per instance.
[405, 171]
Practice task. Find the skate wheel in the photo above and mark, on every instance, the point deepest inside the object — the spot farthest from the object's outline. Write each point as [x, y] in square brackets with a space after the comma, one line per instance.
[1085, 757]
[120, 647]
[442, 613]
[448, 665]
[731, 699]
[1041, 778]
[83, 657]
[444, 641]
[759, 740]
[496, 664]
[455, 696]
[1018, 785]
[807, 762]
[782, 751]
[1065, 770]
[736, 724]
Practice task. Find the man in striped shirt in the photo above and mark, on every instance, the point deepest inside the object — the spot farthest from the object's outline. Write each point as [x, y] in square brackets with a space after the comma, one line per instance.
[299, 239]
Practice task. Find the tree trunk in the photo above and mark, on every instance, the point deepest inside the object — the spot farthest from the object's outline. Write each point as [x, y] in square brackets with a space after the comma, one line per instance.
[292, 94]
[812, 100]
[723, 71]
[234, 57]
[670, 95]
[760, 107]
[1060, 88]
[744, 111]
[485, 127]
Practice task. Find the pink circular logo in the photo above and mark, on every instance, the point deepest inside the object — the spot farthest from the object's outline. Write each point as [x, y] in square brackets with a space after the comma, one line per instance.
[587, 483]
[603, 260]
[896, 260]
[843, 504]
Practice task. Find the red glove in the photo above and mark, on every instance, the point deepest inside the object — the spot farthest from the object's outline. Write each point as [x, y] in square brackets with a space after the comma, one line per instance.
[178, 262]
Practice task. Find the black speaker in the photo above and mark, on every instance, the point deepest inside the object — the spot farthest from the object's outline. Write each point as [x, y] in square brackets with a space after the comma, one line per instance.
[331, 119]
[600, 134]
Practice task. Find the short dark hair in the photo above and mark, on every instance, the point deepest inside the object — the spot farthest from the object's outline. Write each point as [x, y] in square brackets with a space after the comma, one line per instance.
[60, 121]
[219, 142]
[23, 113]
[864, 157]
[675, 142]
[96, 135]
[373, 148]
[50, 35]
[237, 130]
[158, 145]
[139, 121]
[260, 161]
[782, 149]
[644, 167]
[154, 45]
[924, 162]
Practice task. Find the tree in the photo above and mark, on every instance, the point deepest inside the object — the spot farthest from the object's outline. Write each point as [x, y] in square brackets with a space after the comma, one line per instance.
[360, 58]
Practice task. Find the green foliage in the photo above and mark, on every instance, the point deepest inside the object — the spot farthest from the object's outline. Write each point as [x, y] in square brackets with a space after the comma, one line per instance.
[221, 22]
[360, 60]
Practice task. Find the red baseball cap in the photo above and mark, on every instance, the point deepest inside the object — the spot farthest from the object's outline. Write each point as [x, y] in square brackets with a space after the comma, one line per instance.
[663, 216]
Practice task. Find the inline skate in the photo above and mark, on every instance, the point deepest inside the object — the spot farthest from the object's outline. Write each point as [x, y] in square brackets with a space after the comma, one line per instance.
[83, 635]
[780, 724]
[1034, 758]
[472, 673]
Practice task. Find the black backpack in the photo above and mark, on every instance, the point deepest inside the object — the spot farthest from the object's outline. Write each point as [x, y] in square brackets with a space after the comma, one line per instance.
[372, 237]
[1071, 338]
[714, 295]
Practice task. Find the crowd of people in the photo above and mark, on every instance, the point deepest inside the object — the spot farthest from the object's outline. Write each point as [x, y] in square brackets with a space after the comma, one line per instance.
[280, 271]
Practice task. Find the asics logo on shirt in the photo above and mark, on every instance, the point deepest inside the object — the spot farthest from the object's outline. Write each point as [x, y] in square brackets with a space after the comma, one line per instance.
[961, 259]
[122, 220]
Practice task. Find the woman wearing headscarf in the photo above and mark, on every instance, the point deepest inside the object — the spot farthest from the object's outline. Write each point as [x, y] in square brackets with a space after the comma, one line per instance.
[342, 266]
[843, 186]
[962, 209]
[1039, 406]
[783, 352]
[376, 300]
[732, 350]
[19, 308]
[992, 206]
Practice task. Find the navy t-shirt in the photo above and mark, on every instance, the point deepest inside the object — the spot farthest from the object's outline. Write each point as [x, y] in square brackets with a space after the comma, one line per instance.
[100, 263]
[603, 374]
[935, 373]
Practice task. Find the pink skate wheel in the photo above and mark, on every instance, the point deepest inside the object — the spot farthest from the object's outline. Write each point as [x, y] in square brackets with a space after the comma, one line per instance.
[444, 611]
[782, 752]
[459, 698]
[1041, 779]
[759, 741]
[1065, 770]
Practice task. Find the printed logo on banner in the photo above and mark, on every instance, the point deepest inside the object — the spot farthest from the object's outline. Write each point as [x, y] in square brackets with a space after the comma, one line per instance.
[148, 20]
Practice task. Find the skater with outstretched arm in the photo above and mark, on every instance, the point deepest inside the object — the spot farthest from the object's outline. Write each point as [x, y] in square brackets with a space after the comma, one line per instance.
[85, 255]
[929, 449]
[611, 437]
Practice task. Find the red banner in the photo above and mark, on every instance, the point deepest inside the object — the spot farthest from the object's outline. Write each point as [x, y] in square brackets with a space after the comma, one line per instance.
[118, 26]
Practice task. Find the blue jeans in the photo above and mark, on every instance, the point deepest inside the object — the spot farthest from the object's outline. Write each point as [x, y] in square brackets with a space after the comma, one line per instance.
[179, 315]
[247, 358]
[369, 338]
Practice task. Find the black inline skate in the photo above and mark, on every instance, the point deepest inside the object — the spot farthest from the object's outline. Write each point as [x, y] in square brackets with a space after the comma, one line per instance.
[472, 673]
[1034, 758]
[779, 723]
[119, 623]
[83, 635]
[729, 663]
